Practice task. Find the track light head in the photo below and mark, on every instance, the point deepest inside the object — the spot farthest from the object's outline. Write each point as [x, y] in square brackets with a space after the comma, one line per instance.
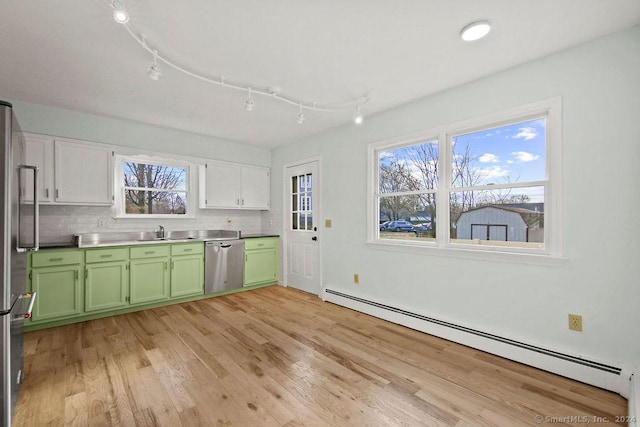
[154, 72]
[358, 118]
[120, 14]
[249, 104]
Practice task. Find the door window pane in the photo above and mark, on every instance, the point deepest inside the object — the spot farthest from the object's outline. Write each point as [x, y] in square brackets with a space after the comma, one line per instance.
[302, 202]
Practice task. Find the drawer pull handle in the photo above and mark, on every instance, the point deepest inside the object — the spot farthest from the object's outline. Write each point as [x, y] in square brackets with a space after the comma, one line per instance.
[260, 244]
[149, 252]
[55, 259]
[106, 256]
[188, 250]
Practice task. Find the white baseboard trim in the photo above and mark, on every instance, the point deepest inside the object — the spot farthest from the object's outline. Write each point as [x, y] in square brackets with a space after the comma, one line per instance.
[591, 372]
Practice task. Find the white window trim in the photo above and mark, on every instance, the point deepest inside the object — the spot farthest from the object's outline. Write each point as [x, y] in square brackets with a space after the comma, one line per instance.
[553, 252]
[119, 201]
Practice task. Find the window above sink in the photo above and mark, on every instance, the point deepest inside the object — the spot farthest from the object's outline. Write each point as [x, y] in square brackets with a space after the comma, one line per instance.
[152, 187]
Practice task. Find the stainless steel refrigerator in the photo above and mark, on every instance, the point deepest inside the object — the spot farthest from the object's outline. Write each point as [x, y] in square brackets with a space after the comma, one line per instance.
[19, 219]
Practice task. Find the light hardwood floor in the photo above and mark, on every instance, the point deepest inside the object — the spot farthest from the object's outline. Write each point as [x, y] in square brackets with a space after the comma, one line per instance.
[278, 357]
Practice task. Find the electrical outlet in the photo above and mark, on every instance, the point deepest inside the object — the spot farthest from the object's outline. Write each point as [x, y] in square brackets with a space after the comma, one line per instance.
[327, 223]
[356, 278]
[575, 322]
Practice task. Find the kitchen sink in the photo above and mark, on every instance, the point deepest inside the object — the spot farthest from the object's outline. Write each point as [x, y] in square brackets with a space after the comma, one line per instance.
[111, 238]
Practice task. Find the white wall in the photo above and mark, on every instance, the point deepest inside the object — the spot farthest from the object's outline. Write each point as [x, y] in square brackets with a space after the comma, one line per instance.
[60, 223]
[600, 91]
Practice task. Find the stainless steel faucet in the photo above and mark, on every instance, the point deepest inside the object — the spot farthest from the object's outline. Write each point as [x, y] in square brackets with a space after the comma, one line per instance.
[160, 232]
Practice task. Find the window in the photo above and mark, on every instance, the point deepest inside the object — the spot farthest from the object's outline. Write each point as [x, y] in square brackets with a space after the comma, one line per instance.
[489, 184]
[301, 202]
[152, 188]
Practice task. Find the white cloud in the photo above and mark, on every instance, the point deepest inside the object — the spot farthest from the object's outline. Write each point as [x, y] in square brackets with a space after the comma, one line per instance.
[492, 172]
[523, 156]
[527, 133]
[488, 158]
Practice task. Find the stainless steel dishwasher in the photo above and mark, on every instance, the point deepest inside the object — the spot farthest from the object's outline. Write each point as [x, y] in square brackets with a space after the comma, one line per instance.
[223, 265]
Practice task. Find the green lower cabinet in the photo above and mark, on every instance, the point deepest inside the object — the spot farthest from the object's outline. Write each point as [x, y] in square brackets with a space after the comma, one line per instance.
[106, 286]
[59, 292]
[149, 280]
[187, 276]
[260, 261]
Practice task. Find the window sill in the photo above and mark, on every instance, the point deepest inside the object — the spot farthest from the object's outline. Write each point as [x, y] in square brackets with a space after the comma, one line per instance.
[460, 252]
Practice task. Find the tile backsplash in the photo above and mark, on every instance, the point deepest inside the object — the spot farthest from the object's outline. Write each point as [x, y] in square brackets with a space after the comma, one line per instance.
[60, 223]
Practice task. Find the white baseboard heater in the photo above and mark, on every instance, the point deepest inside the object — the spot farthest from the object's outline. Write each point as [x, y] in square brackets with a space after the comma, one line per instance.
[592, 372]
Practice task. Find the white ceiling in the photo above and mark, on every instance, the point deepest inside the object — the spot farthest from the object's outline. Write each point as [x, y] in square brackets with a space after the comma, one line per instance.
[72, 54]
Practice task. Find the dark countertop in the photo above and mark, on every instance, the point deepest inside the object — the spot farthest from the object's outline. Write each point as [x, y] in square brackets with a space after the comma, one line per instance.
[72, 244]
[58, 245]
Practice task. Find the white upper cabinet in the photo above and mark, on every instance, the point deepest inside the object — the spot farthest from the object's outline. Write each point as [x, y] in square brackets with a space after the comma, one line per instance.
[38, 151]
[256, 185]
[70, 172]
[234, 186]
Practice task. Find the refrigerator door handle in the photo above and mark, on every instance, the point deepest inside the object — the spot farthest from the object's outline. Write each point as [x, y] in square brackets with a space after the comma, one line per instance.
[32, 295]
[36, 210]
[27, 313]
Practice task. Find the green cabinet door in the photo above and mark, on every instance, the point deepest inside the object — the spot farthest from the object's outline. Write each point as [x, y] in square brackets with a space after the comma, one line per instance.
[260, 266]
[149, 280]
[59, 292]
[106, 286]
[187, 276]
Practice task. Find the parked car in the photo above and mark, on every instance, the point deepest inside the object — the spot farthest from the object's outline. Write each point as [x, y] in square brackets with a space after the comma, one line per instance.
[384, 225]
[422, 227]
[399, 226]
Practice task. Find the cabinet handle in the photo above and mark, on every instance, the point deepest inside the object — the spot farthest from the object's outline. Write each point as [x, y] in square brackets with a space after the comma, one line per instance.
[57, 193]
[55, 259]
[173, 265]
[165, 265]
[86, 273]
[187, 250]
[106, 256]
[77, 275]
[149, 252]
[46, 192]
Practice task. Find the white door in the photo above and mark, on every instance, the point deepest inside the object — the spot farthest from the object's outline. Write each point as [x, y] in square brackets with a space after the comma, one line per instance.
[301, 225]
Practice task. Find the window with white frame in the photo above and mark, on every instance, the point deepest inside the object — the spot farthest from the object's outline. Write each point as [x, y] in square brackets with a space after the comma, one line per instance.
[152, 187]
[489, 184]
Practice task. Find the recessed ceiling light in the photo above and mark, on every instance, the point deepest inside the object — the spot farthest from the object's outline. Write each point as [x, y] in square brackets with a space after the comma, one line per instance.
[475, 31]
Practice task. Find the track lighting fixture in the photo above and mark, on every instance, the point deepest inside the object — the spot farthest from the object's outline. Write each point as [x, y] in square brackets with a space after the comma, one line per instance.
[154, 72]
[121, 16]
[249, 103]
[358, 118]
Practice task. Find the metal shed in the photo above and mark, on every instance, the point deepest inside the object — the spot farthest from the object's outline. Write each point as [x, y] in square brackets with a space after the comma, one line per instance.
[501, 224]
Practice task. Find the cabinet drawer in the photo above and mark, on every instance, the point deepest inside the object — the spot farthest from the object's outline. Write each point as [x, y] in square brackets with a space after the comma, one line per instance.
[150, 251]
[187, 249]
[260, 243]
[104, 255]
[50, 258]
